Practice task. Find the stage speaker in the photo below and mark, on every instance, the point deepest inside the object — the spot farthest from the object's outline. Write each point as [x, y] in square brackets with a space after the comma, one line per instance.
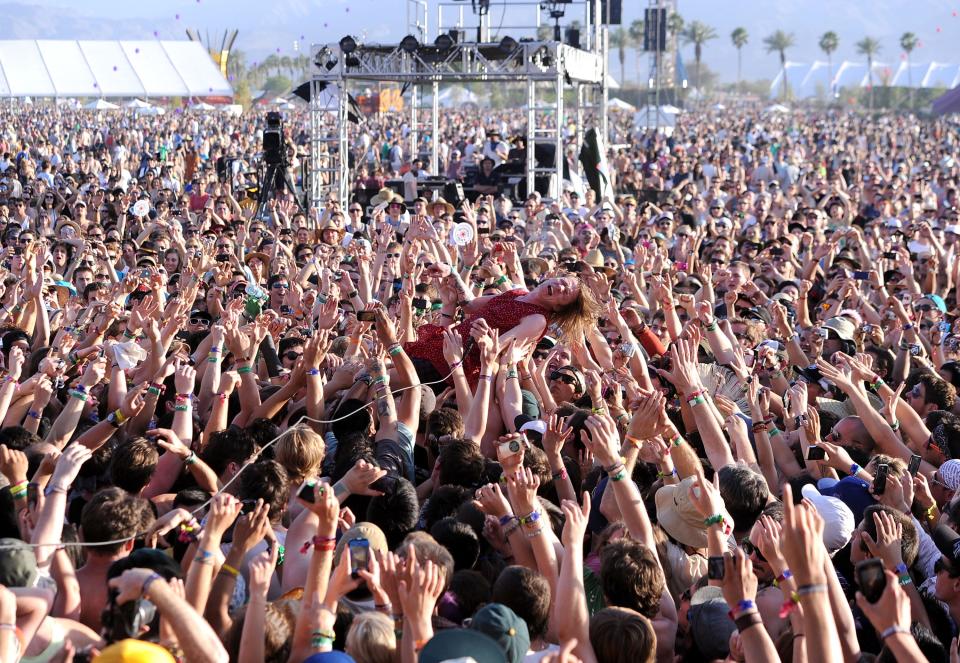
[453, 193]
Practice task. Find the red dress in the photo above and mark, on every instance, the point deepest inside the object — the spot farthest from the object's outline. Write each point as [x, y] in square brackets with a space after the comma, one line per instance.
[503, 312]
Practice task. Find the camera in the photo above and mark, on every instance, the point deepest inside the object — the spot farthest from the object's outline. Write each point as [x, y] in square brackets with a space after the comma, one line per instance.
[273, 151]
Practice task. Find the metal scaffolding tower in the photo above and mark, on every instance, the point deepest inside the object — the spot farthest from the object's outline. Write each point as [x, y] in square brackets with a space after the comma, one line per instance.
[545, 67]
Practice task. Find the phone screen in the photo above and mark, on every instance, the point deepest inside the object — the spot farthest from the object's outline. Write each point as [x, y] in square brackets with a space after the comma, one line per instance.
[871, 579]
[880, 481]
[914, 465]
[715, 568]
[359, 555]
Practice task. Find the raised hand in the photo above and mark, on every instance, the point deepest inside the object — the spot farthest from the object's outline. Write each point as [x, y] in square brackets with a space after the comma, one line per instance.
[491, 500]
[602, 439]
[558, 434]
[13, 465]
[575, 525]
[802, 540]
[68, 466]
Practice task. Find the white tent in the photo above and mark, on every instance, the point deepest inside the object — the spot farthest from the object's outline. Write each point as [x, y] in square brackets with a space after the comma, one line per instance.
[101, 104]
[620, 104]
[203, 106]
[108, 69]
[281, 104]
[671, 110]
[151, 110]
[651, 117]
[137, 103]
[776, 108]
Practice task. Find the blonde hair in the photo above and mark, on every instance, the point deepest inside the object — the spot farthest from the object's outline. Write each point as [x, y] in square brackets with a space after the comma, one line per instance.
[300, 450]
[371, 638]
[577, 316]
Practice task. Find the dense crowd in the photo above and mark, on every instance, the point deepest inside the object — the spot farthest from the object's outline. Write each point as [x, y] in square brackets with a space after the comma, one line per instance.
[707, 413]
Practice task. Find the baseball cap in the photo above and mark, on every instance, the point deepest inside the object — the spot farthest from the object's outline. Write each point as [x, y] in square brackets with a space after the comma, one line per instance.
[332, 656]
[948, 543]
[838, 522]
[710, 623]
[937, 301]
[461, 643]
[368, 531]
[18, 563]
[505, 627]
[950, 474]
[841, 327]
[852, 491]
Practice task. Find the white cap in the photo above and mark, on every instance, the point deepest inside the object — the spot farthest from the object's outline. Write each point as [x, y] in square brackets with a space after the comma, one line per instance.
[839, 521]
[535, 425]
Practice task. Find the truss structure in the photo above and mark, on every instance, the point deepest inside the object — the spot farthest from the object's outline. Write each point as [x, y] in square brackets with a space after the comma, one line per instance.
[544, 66]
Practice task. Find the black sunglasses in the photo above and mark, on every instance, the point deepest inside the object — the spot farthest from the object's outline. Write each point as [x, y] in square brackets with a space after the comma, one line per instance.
[292, 355]
[566, 378]
[750, 549]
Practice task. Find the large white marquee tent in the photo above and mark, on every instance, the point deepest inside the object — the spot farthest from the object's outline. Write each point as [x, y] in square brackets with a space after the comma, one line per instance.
[107, 69]
[807, 80]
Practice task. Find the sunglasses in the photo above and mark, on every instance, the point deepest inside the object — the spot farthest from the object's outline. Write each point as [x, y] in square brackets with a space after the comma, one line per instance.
[750, 549]
[566, 378]
[393, 255]
[292, 355]
[281, 286]
[200, 321]
[355, 209]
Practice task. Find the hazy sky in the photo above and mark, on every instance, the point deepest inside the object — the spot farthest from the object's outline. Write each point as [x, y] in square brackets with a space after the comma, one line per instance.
[279, 24]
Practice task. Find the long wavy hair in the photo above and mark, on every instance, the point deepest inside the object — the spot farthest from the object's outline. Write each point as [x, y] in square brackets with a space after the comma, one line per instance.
[580, 314]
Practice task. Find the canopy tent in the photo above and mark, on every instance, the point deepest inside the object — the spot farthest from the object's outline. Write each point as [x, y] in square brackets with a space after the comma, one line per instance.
[137, 103]
[947, 103]
[203, 106]
[101, 104]
[620, 104]
[652, 117]
[776, 108]
[47, 68]
[818, 79]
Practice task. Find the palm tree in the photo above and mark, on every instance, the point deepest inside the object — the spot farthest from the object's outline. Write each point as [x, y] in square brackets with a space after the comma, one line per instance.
[828, 44]
[908, 42]
[739, 37]
[698, 34]
[869, 47]
[675, 23]
[779, 42]
[636, 35]
[619, 38]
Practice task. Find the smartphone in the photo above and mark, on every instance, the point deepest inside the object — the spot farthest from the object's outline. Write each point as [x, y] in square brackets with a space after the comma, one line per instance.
[890, 255]
[867, 328]
[359, 555]
[508, 448]
[33, 493]
[715, 568]
[307, 492]
[816, 453]
[776, 252]
[575, 267]
[420, 303]
[861, 276]
[223, 257]
[871, 579]
[880, 481]
[914, 465]
[366, 316]
[248, 506]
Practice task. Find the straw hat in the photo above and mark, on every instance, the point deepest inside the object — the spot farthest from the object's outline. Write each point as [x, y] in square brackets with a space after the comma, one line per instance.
[595, 259]
[447, 207]
[383, 196]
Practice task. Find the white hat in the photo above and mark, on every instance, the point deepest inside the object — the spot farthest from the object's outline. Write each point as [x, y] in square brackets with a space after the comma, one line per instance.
[839, 522]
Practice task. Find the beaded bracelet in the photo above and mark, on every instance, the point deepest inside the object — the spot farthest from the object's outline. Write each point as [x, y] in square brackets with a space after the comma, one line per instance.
[759, 427]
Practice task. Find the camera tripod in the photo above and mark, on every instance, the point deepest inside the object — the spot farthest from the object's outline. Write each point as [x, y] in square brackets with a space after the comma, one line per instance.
[275, 176]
